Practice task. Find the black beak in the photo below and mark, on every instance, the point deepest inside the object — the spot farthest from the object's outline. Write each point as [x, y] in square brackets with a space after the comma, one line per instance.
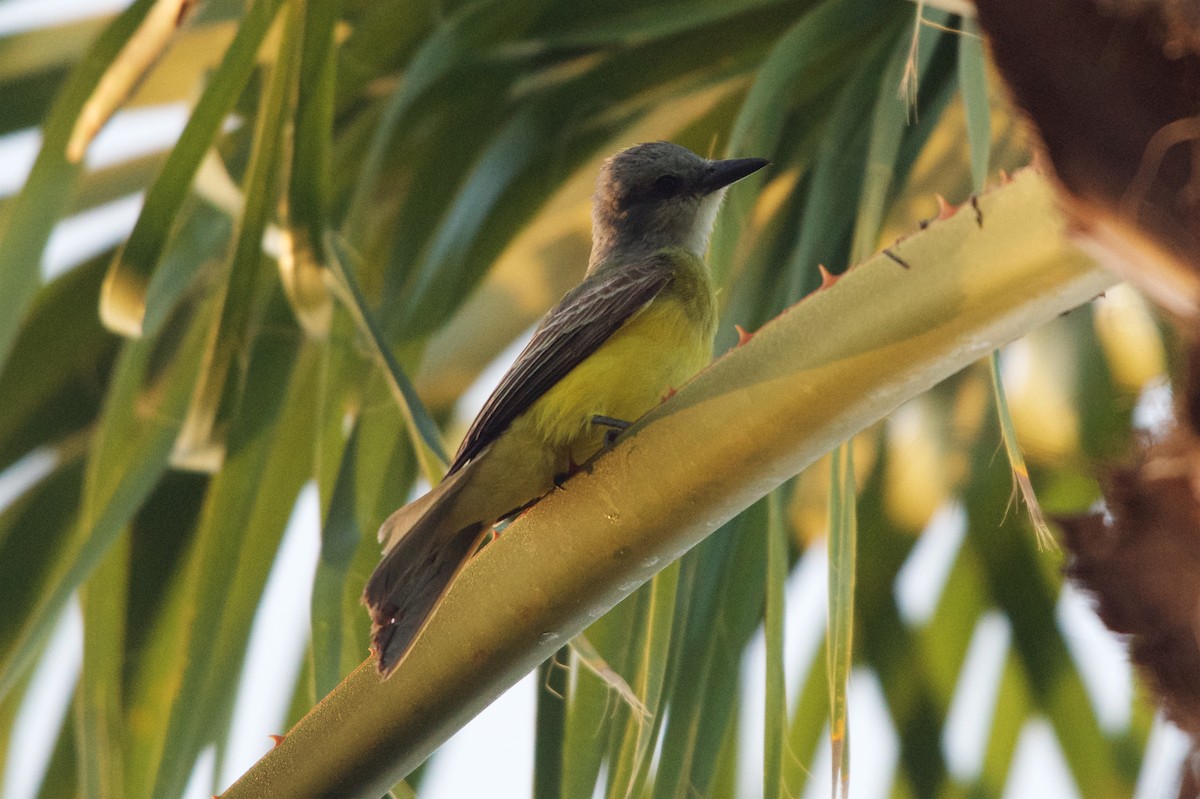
[722, 173]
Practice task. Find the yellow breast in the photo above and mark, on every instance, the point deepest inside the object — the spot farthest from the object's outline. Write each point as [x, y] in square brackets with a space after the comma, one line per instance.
[654, 352]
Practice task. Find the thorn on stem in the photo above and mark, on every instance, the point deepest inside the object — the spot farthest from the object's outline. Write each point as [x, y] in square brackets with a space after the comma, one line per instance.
[978, 213]
[897, 258]
[827, 277]
[945, 209]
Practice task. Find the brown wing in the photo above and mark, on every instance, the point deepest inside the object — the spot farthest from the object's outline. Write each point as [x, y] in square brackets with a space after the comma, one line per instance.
[570, 332]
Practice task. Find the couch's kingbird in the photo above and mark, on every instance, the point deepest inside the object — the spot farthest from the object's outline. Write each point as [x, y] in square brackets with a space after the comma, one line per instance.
[641, 322]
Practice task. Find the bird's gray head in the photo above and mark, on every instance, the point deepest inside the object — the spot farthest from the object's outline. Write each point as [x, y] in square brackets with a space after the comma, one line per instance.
[659, 195]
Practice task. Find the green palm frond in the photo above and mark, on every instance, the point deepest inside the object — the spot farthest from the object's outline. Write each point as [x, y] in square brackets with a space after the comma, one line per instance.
[370, 201]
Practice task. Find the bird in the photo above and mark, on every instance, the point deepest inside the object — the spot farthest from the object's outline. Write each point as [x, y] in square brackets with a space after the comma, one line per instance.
[641, 322]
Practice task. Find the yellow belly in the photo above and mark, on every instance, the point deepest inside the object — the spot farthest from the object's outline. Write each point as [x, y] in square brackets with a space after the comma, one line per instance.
[651, 354]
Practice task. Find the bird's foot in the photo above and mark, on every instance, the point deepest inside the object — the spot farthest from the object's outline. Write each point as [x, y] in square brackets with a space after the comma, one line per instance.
[561, 478]
[615, 428]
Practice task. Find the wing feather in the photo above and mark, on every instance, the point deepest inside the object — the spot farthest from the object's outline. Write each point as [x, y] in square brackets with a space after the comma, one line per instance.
[571, 331]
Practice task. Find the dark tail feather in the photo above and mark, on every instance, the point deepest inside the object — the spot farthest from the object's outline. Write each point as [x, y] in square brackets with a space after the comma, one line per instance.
[408, 584]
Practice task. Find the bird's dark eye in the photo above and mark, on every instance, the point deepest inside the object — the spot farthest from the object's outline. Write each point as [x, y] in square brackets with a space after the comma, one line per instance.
[666, 186]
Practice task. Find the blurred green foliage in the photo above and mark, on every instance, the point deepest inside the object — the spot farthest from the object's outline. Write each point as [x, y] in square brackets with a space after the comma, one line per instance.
[443, 153]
